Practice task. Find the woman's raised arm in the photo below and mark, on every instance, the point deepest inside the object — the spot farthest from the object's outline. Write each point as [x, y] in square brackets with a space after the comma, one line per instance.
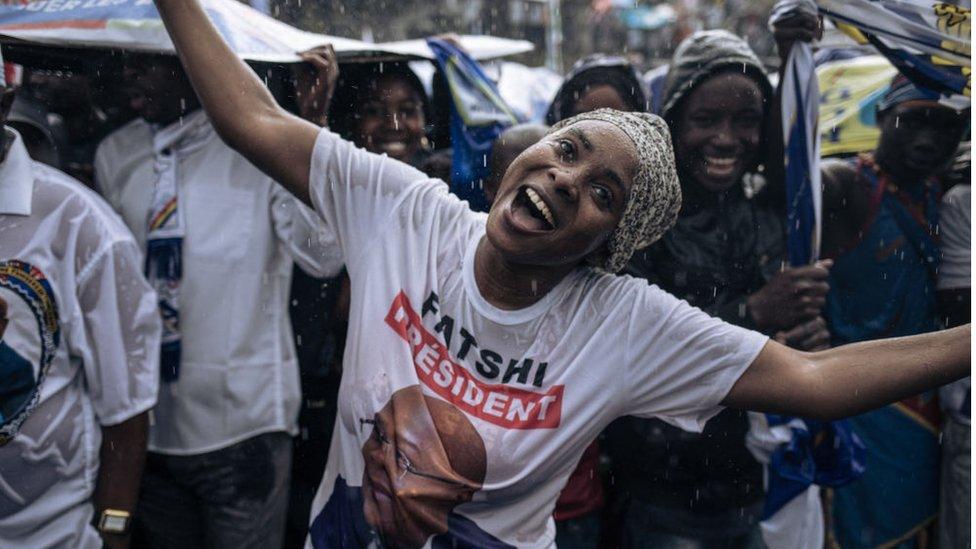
[851, 379]
[240, 107]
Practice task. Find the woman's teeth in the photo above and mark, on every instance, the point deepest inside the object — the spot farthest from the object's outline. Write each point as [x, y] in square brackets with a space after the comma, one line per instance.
[541, 206]
[394, 147]
[719, 166]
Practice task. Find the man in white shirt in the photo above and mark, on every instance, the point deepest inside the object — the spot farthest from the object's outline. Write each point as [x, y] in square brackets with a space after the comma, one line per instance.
[78, 333]
[955, 297]
[221, 239]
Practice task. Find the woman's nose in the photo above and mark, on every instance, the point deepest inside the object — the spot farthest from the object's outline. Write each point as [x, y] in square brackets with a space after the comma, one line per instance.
[564, 183]
[724, 135]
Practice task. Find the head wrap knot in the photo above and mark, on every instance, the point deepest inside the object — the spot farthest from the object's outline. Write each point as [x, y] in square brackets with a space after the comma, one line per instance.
[655, 196]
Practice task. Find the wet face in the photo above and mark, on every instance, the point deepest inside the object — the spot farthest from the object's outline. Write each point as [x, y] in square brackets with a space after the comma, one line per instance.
[560, 200]
[391, 120]
[718, 130]
[158, 88]
[599, 97]
[422, 459]
[919, 138]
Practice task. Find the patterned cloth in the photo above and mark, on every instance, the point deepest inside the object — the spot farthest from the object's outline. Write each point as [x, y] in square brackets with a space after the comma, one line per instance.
[165, 230]
[655, 197]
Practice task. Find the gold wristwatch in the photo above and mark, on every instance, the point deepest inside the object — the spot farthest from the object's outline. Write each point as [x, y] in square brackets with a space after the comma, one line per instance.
[114, 521]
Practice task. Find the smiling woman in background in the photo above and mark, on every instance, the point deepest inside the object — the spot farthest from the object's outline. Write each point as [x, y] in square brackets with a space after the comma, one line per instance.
[383, 108]
[724, 255]
[502, 320]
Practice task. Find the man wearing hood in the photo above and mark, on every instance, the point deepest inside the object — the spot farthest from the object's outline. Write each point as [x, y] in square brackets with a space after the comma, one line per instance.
[724, 256]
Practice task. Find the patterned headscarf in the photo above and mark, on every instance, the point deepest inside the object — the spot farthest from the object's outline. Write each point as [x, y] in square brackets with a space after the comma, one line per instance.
[655, 196]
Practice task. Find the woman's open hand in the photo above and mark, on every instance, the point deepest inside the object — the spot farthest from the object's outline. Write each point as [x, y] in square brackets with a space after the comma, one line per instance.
[315, 83]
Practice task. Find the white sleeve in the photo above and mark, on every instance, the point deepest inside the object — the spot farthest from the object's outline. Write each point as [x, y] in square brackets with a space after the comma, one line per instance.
[119, 342]
[955, 227]
[103, 174]
[306, 236]
[682, 362]
[355, 191]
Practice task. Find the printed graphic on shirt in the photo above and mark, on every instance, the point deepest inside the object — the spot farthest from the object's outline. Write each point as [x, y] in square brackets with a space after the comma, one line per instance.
[29, 336]
[501, 404]
[422, 459]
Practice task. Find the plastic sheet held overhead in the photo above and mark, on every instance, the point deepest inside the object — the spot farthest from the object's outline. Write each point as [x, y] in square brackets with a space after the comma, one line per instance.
[135, 25]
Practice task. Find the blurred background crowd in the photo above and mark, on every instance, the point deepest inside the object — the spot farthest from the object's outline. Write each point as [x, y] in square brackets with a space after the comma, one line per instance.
[81, 108]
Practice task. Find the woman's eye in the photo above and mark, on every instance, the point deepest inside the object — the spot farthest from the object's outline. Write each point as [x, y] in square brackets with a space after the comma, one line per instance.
[704, 121]
[409, 110]
[748, 120]
[566, 150]
[372, 111]
[602, 194]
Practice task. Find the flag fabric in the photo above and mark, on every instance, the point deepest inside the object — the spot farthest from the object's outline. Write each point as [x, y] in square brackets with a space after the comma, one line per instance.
[929, 42]
[897, 497]
[478, 117]
[827, 454]
[850, 90]
[800, 111]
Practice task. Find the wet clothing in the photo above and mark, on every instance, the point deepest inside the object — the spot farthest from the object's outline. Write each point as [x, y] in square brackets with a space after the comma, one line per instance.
[525, 390]
[955, 505]
[723, 248]
[83, 318]
[232, 497]
[238, 373]
[885, 287]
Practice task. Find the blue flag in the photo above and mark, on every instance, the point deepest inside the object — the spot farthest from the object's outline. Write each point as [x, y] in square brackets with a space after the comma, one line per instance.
[926, 40]
[826, 454]
[478, 117]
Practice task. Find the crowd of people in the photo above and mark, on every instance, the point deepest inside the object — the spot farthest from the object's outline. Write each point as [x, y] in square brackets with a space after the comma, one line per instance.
[236, 319]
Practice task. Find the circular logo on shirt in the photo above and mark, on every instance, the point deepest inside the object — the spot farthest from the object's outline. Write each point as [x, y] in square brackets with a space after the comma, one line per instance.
[29, 336]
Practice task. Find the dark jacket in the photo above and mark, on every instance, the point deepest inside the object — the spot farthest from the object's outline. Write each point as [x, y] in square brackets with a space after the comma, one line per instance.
[723, 248]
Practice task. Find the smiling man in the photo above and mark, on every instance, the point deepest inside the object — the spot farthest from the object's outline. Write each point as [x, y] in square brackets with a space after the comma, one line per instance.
[881, 224]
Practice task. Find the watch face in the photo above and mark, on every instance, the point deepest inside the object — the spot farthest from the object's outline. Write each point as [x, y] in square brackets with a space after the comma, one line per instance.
[113, 523]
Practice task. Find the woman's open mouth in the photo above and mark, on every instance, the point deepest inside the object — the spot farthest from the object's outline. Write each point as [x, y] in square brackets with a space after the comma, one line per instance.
[720, 167]
[392, 148]
[531, 212]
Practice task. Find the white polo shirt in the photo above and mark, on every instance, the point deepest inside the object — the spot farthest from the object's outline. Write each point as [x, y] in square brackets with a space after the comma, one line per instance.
[82, 340]
[239, 373]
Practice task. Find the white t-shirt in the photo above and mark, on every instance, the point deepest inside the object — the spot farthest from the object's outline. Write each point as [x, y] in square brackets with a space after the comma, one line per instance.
[238, 370]
[955, 227]
[83, 335]
[536, 385]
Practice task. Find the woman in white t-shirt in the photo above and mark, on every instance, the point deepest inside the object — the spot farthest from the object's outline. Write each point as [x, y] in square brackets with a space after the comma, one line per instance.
[484, 352]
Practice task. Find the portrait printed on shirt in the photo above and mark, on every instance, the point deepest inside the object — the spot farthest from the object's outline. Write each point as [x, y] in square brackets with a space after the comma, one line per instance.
[427, 452]
[29, 337]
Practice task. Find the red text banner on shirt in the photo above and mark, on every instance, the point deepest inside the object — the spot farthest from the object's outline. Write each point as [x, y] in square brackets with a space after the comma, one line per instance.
[501, 405]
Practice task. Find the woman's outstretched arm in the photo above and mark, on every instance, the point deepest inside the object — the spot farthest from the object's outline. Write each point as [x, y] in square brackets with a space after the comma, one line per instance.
[851, 379]
[240, 107]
